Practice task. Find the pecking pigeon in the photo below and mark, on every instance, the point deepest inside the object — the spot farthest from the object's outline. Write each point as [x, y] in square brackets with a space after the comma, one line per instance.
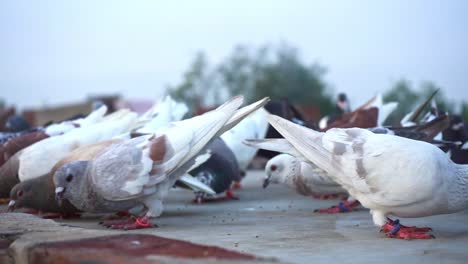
[142, 170]
[389, 175]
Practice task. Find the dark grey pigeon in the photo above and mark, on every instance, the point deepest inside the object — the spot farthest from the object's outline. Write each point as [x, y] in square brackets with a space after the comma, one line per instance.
[219, 171]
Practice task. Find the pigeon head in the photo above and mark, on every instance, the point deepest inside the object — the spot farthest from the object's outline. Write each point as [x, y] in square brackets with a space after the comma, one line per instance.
[20, 196]
[278, 169]
[69, 179]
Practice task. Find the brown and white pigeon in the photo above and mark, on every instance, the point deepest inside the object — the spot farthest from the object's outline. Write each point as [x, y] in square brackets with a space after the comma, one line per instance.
[143, 170]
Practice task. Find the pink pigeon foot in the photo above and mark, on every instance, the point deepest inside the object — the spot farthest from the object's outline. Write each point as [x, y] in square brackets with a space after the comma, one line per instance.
[236, 185]
[342, 207]
[393, 229]
[230, 195]
[131, 224]
[325, 196]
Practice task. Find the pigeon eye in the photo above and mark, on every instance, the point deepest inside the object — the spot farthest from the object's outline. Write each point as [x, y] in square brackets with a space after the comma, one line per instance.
[273, 167]
[20, 193]
[69, 178]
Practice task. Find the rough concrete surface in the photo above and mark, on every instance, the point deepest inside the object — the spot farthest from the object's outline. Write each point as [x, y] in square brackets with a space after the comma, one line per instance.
[276, 222]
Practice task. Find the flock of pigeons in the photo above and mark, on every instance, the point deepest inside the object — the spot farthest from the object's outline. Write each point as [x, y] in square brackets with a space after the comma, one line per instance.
[126, 163]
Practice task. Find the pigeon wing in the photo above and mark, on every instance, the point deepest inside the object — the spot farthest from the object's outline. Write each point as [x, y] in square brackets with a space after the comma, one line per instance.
[364, 163]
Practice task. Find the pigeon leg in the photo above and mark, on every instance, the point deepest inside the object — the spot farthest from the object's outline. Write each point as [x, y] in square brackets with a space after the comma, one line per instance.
[393, 229]
[109, 223]
[236, 185]
[32, 211]
[325, 196]
[342, 207]
[199, 198]
[231, 195]
[138, 223]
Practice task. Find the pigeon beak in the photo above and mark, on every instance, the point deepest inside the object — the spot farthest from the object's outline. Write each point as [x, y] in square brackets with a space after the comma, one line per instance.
[59, 195]
[266, 182]
[11, 206]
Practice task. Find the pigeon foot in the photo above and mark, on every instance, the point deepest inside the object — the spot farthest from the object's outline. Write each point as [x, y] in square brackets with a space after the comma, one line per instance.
[236, 185]
[393, 229]
[230, 195]
[342, 207]
[325, 196]
[138, 223]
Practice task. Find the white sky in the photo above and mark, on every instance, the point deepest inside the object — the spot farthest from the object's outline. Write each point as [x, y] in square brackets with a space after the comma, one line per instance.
[61, 51]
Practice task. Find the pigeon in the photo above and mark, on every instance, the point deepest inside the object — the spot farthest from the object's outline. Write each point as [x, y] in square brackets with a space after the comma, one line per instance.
[17, 123]
[15, 144]
[300, 176]
[293, 170]
[457, 132]
[372, 113]
[425, 132]
[219, 171]
[163, 113]
[142, 170]
[412, 118]
[60, 128]
[390, 175]
[39, 158]
[32, 161]
[39, 193]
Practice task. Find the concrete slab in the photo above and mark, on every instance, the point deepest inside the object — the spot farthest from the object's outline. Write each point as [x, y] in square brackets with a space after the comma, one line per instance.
[276, 222]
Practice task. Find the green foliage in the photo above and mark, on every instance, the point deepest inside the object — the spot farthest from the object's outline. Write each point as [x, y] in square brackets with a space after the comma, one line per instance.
[256, 73]
[464, 110]
[196, 80]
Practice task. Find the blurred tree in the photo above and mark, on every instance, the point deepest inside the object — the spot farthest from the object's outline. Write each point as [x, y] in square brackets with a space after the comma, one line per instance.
[277, 73]
[464, 110]
[402, 93]
[195, 85]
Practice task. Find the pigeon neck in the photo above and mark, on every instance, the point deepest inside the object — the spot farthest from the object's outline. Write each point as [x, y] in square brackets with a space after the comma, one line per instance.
[292, 173]
[458, 194]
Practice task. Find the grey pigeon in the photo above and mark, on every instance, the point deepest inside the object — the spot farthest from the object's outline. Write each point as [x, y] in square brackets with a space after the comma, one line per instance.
[39, 193]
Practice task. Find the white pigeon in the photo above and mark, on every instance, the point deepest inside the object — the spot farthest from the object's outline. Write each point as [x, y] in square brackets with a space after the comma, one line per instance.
[254, 126]
[303, 177]
[152, 164]
[65, 126]
[295, 171]
[390, 175]
[39, 158]
[162, 114]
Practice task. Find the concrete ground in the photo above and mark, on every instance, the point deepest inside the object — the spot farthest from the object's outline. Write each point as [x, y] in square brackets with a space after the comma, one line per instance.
[276, 222]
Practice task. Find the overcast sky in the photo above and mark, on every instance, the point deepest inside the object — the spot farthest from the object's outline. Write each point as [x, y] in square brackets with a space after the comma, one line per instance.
[60, 51]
